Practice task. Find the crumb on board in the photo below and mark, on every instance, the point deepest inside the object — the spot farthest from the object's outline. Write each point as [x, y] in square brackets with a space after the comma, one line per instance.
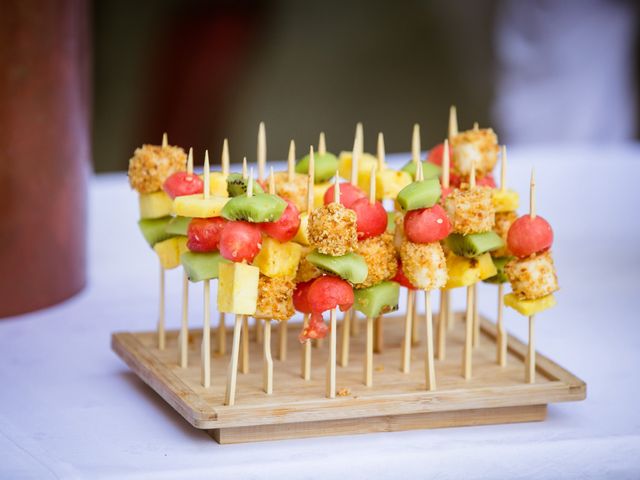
[343, 392]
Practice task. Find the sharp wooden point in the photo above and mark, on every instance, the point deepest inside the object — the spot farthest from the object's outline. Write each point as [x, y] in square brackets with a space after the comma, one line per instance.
[250, 183]
[190, 161]
[310, 180]
[472, 176]
[381, 152]
[453, 122]
[262, 151]
[336, 191]
[165, 140]
[225, 157]
[291, 161]
[206, 173]
[322, 144]
[446, 164]
[415, 143]
[245, 170]
[272, 182]
[532, 194]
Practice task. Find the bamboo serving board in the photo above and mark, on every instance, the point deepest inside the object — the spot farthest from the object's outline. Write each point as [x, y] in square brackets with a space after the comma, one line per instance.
[396, 401]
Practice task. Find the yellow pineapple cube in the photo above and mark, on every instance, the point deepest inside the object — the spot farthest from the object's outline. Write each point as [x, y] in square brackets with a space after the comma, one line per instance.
[467, 271]
[390, 182]
[168, 252]
[318, 193]
[237, 288]
[217, 184]
[505, 201]
[302, 237]
[365, 163]
[487, 268]
[155, 205]
[199, 207]
[529, 307]
[278, 260]
[182, 245]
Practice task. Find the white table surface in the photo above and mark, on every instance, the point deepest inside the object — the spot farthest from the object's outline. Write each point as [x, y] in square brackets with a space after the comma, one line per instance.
[69, 408]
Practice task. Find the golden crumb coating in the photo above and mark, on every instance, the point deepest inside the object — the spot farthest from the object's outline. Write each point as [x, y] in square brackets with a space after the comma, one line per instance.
[424, 264]
[470, 210]
[503, 223]
[152, 164]
[532, 277]
[479, 146]
[296, 190]
[275, 298]
[380, 255]
[399, 236]
[306, 271]
[332, 229]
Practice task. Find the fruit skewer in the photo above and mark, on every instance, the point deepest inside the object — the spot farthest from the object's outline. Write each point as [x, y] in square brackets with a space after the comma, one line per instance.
[222, 327]
[261, 156]
[306, 346]
[452, 131]
[183, 337]
[444, 315]
[415, 157]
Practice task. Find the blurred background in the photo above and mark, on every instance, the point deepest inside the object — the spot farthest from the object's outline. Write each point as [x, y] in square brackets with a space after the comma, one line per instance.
[202, 70]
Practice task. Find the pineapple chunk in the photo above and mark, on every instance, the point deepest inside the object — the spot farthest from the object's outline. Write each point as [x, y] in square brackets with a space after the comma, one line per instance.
[365, 163]
[318, 193]
[278, 260]
[467, 271]
[237, 288]
[155, 205]
[182, 245]
[302, 237]
[218, 184]
[529, 307]
[390, 182]
[169, 251]
[199, 207]
[505, 201]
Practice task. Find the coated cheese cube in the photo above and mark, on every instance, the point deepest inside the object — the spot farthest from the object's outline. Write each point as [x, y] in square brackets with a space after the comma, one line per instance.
[532, 277]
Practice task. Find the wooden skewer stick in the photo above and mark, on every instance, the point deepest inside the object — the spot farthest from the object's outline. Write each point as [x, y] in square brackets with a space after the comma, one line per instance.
[306, 347]
[346, 338]
[415, 325]
[305, 364]
[262, 151]
[441, 334]
[415, 144]
[336, 190]
[331, 364]
[532, 195]
[322, 144]
[453, 122]
[381, 153]
[165, 140]
[445, 294]
[476, 126]
[232, 374]
[406, 345]
[467, 351]
[245, 170]
[183, 338]
[530, 361]
[225, 158]
[502, 334]
[476, 318]
[430, 370]
[472, 175]
[161, 312]
[360, 137]
[244, 354]
[355, 158]
[291, 162]
[368, 364]
[205, 349]
[267, 372]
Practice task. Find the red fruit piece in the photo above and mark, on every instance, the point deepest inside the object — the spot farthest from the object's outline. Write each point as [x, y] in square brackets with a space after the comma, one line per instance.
[240, 241]
[371, 218]
[179, 184]
[435, 154]
[348, 194]
[454, 180]
[402, 279]
[315, 329]
[529, 235]
[286, 227]
[203, 234]
[445, 191]
[427, 225]
[300, 297]
[329, 292]
[486, 181]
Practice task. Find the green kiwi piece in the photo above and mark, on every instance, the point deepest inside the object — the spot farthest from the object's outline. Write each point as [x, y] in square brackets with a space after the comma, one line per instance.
[391, 222]
[154, 230]
[422, 194]
[351, 266]
[178, 226]
[378, 299]
[201, 266]
[499, 277]
[257, 209]
[429, 170]
[325, 166]
[474, 244]
[236, 185]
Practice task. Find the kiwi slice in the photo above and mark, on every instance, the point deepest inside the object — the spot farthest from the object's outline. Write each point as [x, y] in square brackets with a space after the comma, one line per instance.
[178, 226]
[499, 277]
[429, 170]
[259, 208]
[154, 230]
[378, 299]
[391, 222]
[351, 266]
[236, 185]
[422, 194]
[474, 244]
[201, 266]
[325, 166]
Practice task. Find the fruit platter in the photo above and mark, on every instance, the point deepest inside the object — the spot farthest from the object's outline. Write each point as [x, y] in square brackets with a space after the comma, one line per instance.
[324, 251]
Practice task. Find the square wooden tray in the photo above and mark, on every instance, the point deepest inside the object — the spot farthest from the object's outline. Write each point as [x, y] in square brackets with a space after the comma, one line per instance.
[396, 401]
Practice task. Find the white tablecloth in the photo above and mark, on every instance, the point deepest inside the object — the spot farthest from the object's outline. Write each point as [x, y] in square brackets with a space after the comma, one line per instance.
[69, 408]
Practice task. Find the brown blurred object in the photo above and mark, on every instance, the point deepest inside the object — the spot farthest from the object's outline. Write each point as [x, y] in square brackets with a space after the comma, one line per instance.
[44, 151]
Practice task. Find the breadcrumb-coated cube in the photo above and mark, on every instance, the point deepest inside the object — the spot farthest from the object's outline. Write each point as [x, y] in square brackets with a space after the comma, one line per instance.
[332, 229]
[152, 164]
[532, 277]
[275, 298]
[296, 190]
[424, 264]
[380, 255]
[479, 146]
[470, 210]
[501, 227]
[306, 271]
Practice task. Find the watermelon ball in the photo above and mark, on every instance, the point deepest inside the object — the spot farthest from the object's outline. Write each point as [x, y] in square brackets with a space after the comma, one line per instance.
[371, 218]
[529, 235]
[486, 181]
[286, 227]
[315, 329]
[401, 278]
[179, 184]
[300, 297]
[327, 293]
[240, 241]
[435, 154]
[427, 225]
[203, 234]
[348, 194]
